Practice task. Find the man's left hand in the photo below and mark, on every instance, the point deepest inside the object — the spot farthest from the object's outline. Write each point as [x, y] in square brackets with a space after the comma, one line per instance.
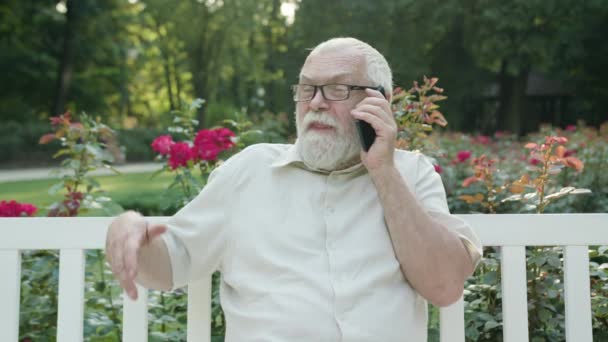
[376, 111]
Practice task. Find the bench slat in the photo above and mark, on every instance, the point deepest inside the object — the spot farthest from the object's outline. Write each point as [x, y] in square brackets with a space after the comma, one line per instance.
[199, 311]
[135, 316]
[578, 296]
[514, 294]
[70, 315]
[10, 287]
[451, 322]
[539, 230]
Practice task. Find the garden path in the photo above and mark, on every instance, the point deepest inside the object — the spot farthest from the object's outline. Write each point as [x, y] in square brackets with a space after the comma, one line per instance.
[43, 173]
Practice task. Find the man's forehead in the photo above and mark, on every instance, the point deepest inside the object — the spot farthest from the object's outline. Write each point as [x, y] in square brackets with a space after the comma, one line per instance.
[339, 77]
[333, 66]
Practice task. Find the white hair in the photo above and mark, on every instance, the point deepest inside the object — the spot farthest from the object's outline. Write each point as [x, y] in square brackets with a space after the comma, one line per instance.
[378, 70]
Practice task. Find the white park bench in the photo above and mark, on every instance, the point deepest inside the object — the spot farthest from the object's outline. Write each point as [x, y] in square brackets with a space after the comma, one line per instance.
[72, 236]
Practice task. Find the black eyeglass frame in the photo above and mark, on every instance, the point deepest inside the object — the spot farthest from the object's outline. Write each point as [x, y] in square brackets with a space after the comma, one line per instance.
[322, 87]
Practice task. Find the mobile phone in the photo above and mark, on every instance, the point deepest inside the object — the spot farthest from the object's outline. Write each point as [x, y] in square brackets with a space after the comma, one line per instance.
[367, 134]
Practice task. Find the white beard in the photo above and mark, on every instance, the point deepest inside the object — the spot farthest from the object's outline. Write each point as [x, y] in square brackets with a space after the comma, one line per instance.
[330, 151]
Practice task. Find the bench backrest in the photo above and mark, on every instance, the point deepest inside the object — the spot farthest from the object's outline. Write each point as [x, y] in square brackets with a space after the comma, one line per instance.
[510, 232]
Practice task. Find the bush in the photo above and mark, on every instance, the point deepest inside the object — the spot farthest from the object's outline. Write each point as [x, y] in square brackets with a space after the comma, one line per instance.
[19, 144]
[136, 143]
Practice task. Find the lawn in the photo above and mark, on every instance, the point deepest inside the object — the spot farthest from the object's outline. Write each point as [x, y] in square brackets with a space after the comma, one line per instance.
[124, 188]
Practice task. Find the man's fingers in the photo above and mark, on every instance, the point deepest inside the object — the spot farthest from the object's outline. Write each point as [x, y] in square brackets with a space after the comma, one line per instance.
[132, 247]
[155, 230]
[377, 111]
[130, 288]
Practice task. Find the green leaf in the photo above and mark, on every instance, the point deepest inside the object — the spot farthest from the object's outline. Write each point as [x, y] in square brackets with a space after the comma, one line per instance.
[95, 150]
[112, 168]
[580, 191]
[74, 164]
[92, 182]
[112, 208]
[554, 261]
[491, 325]
[56, 188]
[61, 152]
[196, 104]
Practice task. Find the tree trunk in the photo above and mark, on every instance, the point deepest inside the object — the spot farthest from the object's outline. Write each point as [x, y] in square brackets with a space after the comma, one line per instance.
[164, 54]
[271, 59]
[66, 66]
[513, 107]
[178, 83]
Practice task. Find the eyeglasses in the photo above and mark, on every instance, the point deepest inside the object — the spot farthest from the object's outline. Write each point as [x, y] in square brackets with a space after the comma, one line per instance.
[330, 92]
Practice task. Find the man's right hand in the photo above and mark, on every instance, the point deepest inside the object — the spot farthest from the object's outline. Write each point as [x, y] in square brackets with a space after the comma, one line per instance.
[126, 236]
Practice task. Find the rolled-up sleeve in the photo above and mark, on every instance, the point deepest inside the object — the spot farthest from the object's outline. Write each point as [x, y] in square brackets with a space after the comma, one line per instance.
[198, 233]
[431, 194]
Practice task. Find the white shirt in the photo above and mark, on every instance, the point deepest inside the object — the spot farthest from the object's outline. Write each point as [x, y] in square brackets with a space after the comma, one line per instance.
[305, 255]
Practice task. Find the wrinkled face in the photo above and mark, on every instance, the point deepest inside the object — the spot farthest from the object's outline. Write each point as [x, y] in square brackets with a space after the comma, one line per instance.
[327, 136]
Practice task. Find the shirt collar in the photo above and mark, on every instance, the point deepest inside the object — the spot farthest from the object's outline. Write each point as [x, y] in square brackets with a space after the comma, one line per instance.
[291, 157]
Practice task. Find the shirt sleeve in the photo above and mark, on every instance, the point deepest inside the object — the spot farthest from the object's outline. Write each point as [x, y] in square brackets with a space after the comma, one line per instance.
[197, 234]
[431, 194]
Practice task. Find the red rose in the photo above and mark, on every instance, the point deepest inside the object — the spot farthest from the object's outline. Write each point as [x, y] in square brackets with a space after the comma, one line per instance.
[209, 143]
[205, 136]
[16, 209]
[463, 156]
[438, 168]
[224, 138]
[179, 155]
[206, 151]
[162, 144]
[483, 139]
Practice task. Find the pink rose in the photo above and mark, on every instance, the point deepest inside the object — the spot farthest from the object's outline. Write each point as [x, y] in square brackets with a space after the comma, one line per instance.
[179, 155]
[162, 144]
[462, 156]
[438, 168]
[571, 128]
[534, 161]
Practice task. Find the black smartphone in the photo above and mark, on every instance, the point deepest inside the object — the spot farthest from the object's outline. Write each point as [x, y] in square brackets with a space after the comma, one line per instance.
[367, 134]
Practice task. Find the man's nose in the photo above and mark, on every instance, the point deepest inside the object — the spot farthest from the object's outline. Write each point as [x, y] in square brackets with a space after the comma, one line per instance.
[318, 101]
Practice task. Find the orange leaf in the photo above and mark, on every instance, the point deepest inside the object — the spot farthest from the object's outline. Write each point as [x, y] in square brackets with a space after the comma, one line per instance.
[560, 151]
[47, 138]
[471, 199]
[438, 118]
[574, 163]
[470, 181]
[517, 188]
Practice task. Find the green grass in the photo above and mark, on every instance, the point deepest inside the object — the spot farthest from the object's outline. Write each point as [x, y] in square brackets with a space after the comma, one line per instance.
[121, 188]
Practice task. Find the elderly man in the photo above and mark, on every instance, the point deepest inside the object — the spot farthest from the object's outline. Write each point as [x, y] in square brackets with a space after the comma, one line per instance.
[321, 240]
